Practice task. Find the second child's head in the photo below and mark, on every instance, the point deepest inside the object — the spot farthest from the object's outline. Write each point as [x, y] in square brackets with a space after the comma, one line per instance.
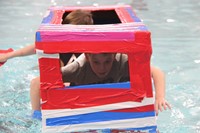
[79, 17]
[101, 64]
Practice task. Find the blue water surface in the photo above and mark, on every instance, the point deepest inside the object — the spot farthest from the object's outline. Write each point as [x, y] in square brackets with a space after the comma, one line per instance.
[175, 29]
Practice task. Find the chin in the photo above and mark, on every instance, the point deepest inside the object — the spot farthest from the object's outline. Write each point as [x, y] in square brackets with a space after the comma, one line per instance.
[102, 76]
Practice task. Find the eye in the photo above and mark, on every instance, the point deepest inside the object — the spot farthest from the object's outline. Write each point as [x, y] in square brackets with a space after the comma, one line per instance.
[96, 62]
[108, 62]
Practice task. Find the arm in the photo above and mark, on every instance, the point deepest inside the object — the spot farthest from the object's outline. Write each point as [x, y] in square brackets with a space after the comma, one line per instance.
[159, 84]
[28, 50]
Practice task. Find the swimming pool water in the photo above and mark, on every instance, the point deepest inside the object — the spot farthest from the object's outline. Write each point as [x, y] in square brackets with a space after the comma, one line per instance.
[175, 31]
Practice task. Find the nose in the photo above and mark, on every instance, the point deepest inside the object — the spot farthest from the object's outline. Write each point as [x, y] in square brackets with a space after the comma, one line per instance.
[102, 68]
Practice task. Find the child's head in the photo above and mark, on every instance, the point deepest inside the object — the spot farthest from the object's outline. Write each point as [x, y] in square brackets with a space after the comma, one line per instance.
[101, 64]
[79, 17]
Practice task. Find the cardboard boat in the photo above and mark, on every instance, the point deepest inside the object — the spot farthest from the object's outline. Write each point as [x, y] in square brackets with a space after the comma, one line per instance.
[114, 107]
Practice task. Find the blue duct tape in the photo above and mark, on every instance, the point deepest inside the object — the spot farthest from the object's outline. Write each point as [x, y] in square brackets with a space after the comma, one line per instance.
[96, 117]
[143, 28]
[38, 37]
[125, 85]
[48, 19]
[131, 13]
[37, 115]
[151, 129]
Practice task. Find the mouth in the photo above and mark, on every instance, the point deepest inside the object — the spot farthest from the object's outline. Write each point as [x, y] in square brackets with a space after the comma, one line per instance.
[102, 74]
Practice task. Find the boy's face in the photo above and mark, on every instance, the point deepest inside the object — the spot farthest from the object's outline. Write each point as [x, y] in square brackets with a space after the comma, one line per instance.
[101, 64]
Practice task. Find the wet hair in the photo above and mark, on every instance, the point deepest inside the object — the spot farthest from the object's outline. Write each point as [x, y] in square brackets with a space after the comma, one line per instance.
[79, 17]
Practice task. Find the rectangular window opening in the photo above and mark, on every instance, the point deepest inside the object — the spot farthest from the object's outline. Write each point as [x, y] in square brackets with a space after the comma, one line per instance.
[102, 17]
[104, 70]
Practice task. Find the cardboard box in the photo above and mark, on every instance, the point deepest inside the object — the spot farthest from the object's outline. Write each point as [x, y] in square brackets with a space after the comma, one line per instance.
[125, 106]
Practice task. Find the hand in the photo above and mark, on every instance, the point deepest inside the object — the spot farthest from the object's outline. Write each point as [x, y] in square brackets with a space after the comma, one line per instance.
[3, 57]
[161, 104]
